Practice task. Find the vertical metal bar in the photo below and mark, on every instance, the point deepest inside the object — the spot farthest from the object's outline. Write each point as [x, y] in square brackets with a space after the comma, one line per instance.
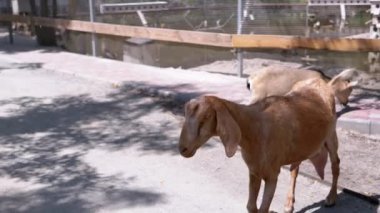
[92, 19]
[307, 20]
[33, 12]
[239, 31]
[10, 27]
[44, 8]
[239, 16]
[55, 9]
[10, 30]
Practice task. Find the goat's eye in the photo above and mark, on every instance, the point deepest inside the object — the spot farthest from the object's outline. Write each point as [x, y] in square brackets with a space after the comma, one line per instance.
[201, 123]
[248, 85]
[200, 127]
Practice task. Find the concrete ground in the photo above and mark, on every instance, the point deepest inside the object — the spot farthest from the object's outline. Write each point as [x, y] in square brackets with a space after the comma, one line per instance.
[79, 134]
[71, 144]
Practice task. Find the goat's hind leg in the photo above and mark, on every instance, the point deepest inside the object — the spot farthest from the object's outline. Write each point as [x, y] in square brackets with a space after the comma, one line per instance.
[289, 205]
[332, 147]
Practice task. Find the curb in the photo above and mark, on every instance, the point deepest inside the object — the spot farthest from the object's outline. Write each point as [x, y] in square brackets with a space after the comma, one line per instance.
[363, 126]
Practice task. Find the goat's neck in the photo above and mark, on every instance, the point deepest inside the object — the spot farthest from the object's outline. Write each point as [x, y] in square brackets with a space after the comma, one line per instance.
[248, 118]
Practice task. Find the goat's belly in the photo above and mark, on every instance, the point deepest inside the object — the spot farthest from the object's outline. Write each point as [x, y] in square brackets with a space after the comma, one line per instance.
[303, 150]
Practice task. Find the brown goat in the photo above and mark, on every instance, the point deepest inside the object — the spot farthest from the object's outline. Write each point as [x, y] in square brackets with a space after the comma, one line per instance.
[276, 131]
[279, 80]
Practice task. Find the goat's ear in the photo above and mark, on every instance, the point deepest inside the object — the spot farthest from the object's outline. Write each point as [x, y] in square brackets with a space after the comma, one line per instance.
[353, 84]
[228, 130]
[344, 75]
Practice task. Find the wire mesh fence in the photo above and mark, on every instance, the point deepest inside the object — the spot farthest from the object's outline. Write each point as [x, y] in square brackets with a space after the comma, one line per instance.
[205, 16]
[292, 17]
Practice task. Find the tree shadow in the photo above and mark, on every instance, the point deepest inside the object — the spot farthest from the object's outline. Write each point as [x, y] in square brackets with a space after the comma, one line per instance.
[22, 43]
[28, 66]
[44, 141]
[169, 100]
[365, 99]
[366, 93]
[345, 110]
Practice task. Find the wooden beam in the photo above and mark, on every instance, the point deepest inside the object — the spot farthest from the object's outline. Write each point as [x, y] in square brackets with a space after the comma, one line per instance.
[180, 36]
[294, 42]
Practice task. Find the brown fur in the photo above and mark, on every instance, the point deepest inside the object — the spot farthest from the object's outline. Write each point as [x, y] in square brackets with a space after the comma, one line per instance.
[276, 131]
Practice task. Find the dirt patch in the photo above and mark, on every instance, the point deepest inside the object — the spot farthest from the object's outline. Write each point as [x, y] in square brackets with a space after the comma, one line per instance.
[250, 65]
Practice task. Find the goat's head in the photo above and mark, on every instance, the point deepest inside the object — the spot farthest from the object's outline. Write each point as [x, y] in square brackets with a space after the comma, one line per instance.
[342, 86]
[206, 117]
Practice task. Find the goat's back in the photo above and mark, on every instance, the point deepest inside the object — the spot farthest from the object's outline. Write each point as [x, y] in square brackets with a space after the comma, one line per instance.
[278, 80]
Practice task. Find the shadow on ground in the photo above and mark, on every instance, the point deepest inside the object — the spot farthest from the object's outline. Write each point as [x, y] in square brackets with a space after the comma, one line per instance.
[342, 201]
[42, 141]
[369, 94]
[28, 66]
[22, 44]
[371, 97]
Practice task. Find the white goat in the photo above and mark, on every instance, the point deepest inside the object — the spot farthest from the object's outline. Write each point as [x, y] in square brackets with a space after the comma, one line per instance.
[273, 132]
[279, 80]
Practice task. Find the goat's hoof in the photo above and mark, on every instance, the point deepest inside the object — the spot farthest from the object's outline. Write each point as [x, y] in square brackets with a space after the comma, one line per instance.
[327, 204]
[330, 202]
[252, 210]
[288, 209]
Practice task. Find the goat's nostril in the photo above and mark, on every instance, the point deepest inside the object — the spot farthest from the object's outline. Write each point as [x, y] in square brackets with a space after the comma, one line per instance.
[183, 150]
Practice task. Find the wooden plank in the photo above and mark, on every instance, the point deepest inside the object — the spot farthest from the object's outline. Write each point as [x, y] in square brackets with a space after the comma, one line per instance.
[180, 36]
[294, 42]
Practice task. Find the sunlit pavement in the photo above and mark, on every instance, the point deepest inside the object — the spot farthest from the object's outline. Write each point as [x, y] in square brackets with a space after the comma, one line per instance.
[71, 144]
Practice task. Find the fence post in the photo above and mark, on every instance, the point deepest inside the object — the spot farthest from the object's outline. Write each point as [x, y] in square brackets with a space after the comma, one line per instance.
[374, 57]
[239, 31]
[10, 27]
[92, 19]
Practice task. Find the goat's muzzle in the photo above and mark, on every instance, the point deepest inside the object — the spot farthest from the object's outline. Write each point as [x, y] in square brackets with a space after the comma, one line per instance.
[185, 152]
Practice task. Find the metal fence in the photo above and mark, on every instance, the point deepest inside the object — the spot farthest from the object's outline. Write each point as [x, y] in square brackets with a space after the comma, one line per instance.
[257, 17]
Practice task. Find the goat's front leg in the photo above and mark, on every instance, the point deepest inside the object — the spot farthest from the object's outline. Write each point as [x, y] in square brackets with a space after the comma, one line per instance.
[270, 188]
[254, 188]
[289, 205]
